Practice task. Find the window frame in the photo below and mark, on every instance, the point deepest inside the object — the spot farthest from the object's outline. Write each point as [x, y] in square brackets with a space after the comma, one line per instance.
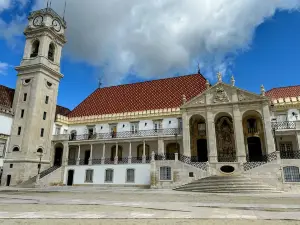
[19, 130]
[47, 100]
[91, 176]
[44, 115]
[25, 97]
[42, 132]
[22, 113]
[293, 177]
[166, 175]
[127, 180]
[112, 176]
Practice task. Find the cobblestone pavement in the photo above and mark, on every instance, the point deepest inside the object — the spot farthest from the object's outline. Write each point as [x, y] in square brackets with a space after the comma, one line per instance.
[153, 206]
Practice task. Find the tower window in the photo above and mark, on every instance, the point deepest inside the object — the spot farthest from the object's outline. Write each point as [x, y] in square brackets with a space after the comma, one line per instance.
[47, 100]
[25, 97]
[45, 115]
[22, 113]
[19, 130]
[51, 52]
[42, 132]
[16, 149]
[35, 49]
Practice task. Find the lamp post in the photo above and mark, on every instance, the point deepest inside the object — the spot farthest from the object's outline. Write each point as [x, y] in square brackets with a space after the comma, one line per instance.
[40, 154]
[274, 132]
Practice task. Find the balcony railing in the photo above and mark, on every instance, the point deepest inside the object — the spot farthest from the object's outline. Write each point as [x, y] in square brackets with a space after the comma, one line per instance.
[126, 134]
[290, 154]
[283, 125]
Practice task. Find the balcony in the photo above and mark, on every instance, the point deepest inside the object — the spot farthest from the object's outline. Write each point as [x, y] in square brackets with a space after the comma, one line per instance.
[126, 134]
[284, 125]
[60, 137]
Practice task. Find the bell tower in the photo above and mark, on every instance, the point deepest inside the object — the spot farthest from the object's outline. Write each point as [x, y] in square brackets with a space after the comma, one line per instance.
[35, 96]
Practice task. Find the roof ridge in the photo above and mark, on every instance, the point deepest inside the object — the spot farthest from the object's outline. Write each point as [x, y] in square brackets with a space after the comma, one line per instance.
[283, 87]
[148, 81]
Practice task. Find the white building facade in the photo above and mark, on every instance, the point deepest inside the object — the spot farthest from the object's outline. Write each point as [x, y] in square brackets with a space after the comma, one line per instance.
[159, 134]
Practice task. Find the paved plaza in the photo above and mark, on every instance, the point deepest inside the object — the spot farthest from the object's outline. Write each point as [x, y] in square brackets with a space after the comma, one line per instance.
[120, 206]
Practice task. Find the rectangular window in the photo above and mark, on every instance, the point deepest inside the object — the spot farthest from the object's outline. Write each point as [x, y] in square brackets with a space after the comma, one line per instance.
[157, 125]
[11, 165]
[57, 130]
[47, 100]
[109, 175]
[165, 173]
[19, 130]
[134, 127]
[2, 147]
[25, 97]
[89, 176]
[291, 174]
[130, 176]
[90, 131]
[42, 132]
[113, 130]
[22, 113]
[45, 116]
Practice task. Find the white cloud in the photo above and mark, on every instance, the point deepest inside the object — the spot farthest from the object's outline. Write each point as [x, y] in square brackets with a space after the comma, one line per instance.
[154, 38]
[3, 68]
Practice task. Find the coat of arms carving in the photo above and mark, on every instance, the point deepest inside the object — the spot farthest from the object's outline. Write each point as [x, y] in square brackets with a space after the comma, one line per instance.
[220, 95]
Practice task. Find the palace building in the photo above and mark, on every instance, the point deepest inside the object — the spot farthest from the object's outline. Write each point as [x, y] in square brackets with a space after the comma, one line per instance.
[180, 132]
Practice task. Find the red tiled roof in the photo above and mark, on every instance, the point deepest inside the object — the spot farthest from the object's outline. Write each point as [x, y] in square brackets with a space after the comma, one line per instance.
[156, 94]
[7, 97]
[284, 92]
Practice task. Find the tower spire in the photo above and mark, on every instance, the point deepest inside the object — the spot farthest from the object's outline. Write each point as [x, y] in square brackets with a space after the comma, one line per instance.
[65, 10]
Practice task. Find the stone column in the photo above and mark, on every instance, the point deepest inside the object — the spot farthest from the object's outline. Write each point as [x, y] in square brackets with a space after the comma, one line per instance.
[91, 156]
[116, 156]
[298, 140]
[211, 135]
[66, 152]
[239, 134]
[103, 154]
[269, 139]
[186, 135]
[130, 156]
[78, 156]
[144, 152]
[161, 147]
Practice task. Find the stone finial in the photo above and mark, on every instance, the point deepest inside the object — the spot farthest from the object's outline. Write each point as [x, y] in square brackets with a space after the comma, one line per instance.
[219, 75]
[183, 99]
[232, 80]
[262, 90]
[207, 84]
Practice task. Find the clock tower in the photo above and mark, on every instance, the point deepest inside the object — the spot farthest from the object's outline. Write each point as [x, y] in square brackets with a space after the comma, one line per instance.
[35, 97]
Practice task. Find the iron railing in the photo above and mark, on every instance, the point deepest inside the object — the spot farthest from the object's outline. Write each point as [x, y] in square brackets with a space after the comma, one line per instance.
[283, 125]
[290, 154]
[126, 134]
[110, 161]
[268, 158]
[71, 162]
[191, 161]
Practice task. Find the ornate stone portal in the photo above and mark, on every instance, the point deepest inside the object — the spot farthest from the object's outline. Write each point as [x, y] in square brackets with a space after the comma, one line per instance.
[225, 140]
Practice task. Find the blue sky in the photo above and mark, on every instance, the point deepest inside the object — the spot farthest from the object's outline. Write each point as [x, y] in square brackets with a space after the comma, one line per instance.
[272, 58]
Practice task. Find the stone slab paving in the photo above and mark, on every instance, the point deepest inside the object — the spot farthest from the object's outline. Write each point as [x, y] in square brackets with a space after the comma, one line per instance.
[69, 205]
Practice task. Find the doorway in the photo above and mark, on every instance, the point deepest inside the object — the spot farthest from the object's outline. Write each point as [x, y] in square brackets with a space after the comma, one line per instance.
[58, 157]
[8, 180]
[254, 149]
[87, 155]
[70, 177]
[202, 150]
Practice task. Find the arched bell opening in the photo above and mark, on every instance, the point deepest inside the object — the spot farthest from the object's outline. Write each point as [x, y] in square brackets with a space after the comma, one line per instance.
[254, 136]
[198, 139]
[225, 138]
[35, 49]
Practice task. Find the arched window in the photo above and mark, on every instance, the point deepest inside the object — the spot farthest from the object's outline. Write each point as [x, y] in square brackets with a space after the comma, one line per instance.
[16, 149]
[291, 174]
[35, 49]
[165, 173]
[140, 151]
[73, 135]
[113, 152]
[51, 52]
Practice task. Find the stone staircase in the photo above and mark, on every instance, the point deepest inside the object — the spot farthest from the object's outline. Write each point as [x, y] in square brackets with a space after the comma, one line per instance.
[227, 184]
[30, 182]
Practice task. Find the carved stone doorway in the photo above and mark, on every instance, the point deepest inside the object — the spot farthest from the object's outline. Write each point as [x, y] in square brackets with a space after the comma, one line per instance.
[202, 150]
[254, 149]
[225, 139]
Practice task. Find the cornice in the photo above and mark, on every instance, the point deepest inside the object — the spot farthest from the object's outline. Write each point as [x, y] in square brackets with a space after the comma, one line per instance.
[109, 118]
[6, 110]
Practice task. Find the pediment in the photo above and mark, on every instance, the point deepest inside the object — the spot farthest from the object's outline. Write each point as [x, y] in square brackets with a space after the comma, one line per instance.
[222, 93]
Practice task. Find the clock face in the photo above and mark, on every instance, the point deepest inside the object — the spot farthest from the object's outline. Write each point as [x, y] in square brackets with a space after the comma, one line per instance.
[38, 21]
[56, 25]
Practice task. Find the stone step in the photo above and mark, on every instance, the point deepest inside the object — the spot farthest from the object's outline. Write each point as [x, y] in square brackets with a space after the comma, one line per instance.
[227, 184]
